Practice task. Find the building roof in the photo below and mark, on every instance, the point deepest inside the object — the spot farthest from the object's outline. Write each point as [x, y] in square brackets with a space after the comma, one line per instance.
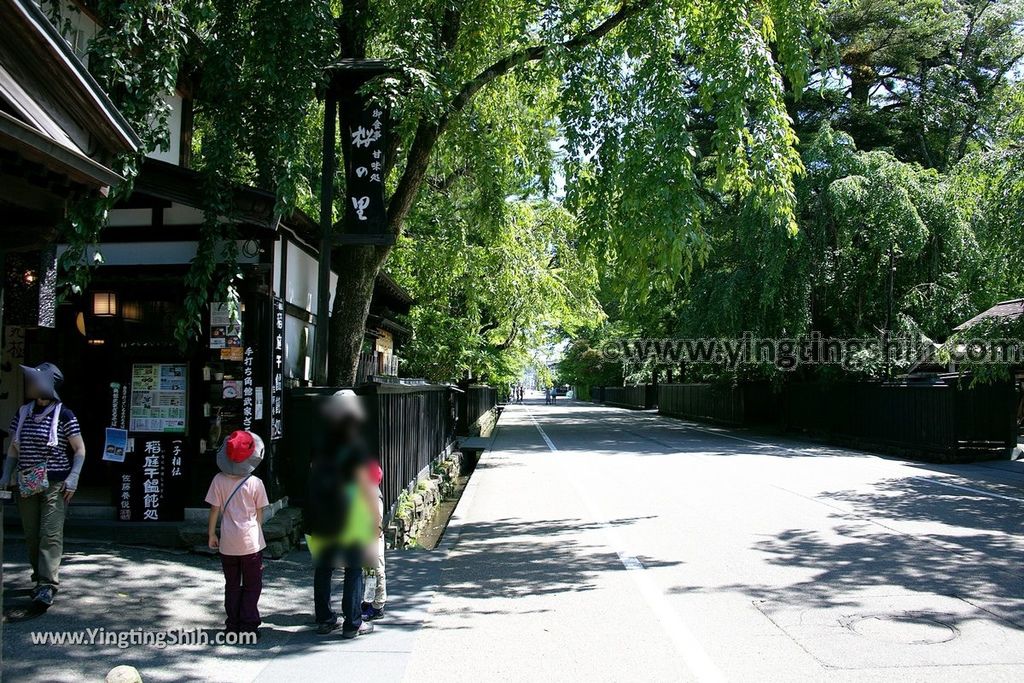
[59, 132]
[48, 90]
[1005, 310]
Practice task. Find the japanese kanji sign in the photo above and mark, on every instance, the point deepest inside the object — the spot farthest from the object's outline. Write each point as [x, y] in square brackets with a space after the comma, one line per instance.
[366, 141]
[151, 487]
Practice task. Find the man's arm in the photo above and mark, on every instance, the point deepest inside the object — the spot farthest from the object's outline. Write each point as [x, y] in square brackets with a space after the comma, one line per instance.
[369, 491]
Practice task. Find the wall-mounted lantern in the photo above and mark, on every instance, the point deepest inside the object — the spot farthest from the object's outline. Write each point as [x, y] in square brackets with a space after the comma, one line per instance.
[104, 304]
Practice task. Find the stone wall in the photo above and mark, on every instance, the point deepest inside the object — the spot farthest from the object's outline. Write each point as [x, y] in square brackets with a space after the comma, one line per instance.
[415, 508]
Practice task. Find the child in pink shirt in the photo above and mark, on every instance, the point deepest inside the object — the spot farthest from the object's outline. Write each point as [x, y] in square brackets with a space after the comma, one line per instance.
[239, 498]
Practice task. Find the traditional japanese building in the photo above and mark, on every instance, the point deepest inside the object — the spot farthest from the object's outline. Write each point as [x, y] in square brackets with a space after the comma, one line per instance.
[60, 137]
[154, 412]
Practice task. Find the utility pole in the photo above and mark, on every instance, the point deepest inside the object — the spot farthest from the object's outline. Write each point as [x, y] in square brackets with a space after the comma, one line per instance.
[888, 313]
[323, 303]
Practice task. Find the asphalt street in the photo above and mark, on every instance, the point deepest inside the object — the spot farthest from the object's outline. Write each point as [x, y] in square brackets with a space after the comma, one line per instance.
[604, 544]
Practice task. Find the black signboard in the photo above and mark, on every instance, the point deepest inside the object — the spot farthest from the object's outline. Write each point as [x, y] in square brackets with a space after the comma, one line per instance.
[277, 373]
[152, 481]
[365, 131]
[248, 388]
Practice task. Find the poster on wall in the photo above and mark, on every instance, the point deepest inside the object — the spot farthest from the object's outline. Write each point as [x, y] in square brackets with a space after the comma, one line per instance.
[159, 393]
[225, 326]
[116, 444]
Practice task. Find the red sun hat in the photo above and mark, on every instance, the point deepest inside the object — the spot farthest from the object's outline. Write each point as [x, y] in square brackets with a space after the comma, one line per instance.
[240, 445]
[376, 473]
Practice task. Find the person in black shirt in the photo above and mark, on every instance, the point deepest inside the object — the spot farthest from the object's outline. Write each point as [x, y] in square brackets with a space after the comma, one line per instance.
[340, 499]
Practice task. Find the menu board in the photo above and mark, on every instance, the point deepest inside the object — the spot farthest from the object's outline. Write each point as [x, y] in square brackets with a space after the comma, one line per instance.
[225, 329]
[158, 397]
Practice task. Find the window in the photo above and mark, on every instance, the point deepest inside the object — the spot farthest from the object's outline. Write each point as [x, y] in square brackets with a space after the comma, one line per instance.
[298, 349]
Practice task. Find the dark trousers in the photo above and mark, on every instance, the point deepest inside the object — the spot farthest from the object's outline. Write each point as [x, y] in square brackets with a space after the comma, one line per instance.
[243, 583]
[352, 593]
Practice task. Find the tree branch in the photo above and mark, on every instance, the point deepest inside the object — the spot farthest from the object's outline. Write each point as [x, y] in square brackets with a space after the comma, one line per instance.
[538, 52]
[428, 132]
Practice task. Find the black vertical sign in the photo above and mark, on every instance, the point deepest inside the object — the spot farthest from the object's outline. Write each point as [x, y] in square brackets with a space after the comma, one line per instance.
[248, 388]
[152, 482]
[365, 131]
[277, 372]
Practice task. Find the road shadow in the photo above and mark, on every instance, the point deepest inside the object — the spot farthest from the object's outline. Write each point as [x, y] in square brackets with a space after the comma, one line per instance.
[511, 558]
[119, 589]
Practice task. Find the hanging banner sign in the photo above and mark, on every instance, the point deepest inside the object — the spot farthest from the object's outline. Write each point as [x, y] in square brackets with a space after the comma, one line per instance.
[277, 374]
[248, 389]
[365, 125]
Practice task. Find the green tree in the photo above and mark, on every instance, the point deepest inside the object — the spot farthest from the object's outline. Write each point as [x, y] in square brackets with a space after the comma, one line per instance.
[617, 68]
[490, 291]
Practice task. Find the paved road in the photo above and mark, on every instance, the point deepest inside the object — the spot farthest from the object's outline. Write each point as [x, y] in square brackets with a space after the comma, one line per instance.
[602, 544]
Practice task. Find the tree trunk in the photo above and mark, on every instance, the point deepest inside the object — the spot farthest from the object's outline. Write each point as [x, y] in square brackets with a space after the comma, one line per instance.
[357, 268]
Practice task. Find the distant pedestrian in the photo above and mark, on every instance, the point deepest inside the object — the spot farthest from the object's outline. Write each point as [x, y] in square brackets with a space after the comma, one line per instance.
[375, 576]
[45, 459]
[341, 515]
[239, 497]
[547, 395]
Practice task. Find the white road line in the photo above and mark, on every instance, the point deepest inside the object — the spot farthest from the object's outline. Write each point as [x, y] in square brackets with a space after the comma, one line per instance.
[980, 492]
[693, 655]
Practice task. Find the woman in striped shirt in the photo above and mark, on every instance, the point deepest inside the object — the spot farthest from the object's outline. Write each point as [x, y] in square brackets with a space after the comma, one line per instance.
[48, 452]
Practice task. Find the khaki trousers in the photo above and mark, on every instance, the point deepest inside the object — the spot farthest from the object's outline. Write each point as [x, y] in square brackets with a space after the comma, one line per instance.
[42, 517]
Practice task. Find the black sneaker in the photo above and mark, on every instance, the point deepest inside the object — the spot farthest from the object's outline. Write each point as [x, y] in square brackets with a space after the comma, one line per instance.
[371, 613]
[364, 628]
[44, 596]
[326, 627]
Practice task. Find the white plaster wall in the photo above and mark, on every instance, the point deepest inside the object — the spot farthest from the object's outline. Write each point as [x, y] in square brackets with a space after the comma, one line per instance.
[172, 154]
[302, 279]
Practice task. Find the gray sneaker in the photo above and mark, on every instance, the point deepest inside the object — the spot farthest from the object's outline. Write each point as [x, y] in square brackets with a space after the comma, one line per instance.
[44, 596]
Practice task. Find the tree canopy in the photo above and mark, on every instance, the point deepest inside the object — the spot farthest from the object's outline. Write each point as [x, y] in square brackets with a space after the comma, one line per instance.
[677, 167]
[907, 208]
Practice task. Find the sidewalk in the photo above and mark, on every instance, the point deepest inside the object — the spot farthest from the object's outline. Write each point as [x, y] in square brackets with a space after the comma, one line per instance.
[118, 588]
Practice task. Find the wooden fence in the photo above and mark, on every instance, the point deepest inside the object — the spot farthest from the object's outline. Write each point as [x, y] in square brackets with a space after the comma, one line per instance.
[475, 401]
[636, 396]
[939, 420]
[408, 427]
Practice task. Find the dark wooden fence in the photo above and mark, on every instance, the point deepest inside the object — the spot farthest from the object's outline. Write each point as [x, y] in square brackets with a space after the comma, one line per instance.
[938, 420]
[636, 396]
[475, 401]
[409, 426]
[751, 403]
